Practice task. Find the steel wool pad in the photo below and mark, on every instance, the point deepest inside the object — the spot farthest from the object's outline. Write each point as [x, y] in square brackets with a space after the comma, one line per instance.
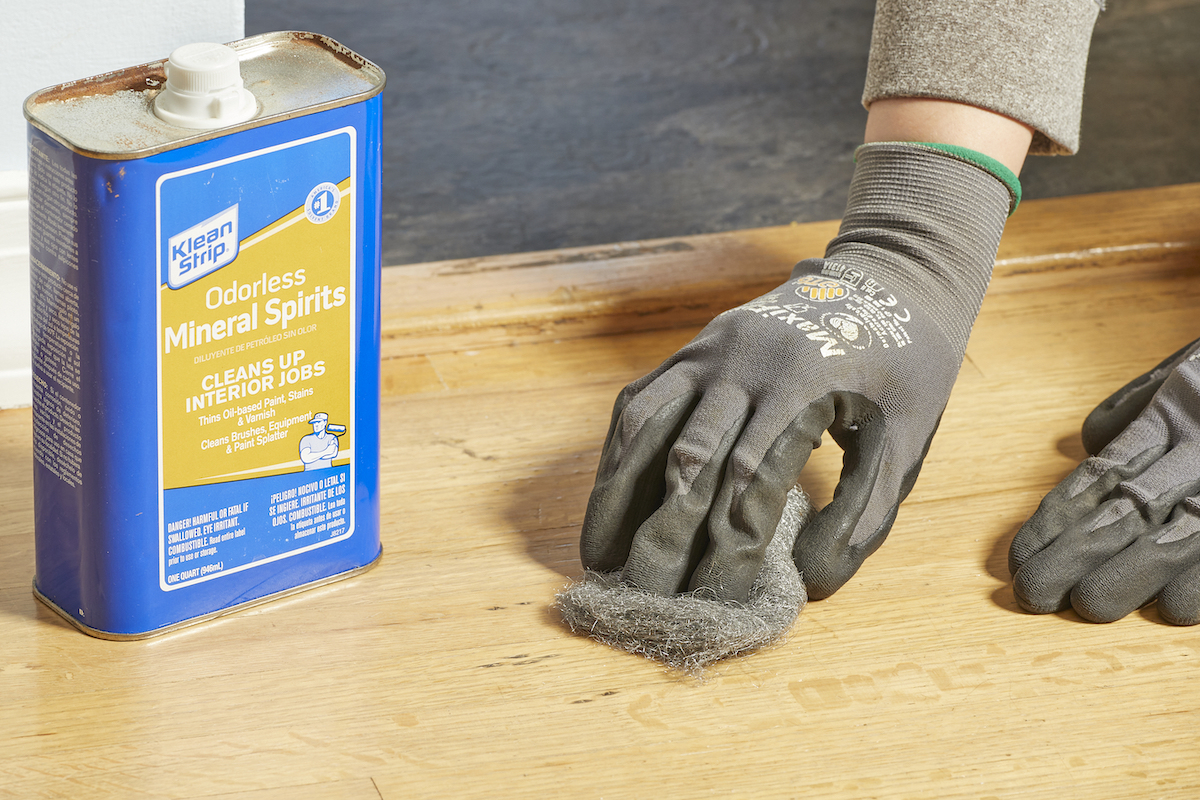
[690, 631]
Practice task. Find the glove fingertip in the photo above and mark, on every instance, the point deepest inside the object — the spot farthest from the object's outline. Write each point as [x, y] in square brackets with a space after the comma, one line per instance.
[1179, 601]
[1020, 550]
[826, 559]
[1096, 607]
[1175, 615]
[1033, 596]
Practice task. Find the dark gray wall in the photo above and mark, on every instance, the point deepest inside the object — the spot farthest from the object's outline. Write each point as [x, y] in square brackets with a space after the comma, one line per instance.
[514, 125]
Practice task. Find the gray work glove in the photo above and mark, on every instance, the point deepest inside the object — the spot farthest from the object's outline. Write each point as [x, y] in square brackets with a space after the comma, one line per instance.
[1114, 415]
[865, 342]
[1121, 529]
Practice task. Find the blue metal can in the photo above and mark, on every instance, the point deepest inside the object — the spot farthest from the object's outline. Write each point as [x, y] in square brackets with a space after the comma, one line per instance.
[205, 279]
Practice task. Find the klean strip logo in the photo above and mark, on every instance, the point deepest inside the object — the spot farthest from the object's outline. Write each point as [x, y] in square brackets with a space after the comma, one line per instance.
[202, 248]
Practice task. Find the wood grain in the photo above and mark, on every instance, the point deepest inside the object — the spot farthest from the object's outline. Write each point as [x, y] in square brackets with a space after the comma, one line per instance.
[442, 672]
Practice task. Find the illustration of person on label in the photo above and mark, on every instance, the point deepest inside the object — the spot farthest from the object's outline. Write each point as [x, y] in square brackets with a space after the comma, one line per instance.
[319, 448]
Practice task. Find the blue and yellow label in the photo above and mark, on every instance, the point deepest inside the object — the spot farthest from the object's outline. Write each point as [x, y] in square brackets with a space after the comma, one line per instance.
[256, 268]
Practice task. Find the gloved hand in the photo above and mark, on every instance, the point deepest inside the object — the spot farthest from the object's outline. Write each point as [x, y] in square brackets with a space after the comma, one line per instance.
[1114, 415]
[865, 342]
[1121, 529]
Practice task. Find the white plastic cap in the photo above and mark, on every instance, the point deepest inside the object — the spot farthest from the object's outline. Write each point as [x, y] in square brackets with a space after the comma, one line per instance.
[204, 88]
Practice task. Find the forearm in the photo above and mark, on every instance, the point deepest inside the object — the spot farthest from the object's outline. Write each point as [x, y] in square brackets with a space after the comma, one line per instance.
[947, 122]
[1023, 59]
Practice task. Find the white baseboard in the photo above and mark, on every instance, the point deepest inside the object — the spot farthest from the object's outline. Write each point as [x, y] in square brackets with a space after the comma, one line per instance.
[15, 372]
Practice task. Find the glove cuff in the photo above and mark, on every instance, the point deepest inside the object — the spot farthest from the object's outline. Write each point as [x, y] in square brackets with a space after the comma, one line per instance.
[984, 162]
[926, 222]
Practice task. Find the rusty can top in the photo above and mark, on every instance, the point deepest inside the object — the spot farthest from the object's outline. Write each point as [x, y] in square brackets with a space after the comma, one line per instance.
[290, 73]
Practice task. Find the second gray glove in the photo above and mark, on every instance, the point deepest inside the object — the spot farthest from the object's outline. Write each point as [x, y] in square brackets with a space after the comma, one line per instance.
[1124, 527]
[865, 343]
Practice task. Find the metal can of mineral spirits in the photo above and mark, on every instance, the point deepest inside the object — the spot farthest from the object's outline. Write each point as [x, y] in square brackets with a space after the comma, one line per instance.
[204, 248]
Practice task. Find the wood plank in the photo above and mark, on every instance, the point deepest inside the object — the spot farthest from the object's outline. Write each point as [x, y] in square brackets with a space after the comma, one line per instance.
[684, 282]
[443, 673]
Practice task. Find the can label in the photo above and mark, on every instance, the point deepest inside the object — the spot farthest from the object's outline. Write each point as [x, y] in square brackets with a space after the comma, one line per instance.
[54, 312]
[256, 362]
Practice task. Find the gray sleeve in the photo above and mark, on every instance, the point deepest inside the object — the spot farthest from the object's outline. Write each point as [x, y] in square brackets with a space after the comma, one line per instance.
[1022, 58]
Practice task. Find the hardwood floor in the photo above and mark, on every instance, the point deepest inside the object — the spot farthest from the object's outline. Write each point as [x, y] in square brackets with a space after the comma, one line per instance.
[443, 673]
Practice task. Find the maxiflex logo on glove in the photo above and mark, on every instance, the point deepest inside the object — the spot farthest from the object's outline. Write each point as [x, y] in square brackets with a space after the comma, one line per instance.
[869, 313]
